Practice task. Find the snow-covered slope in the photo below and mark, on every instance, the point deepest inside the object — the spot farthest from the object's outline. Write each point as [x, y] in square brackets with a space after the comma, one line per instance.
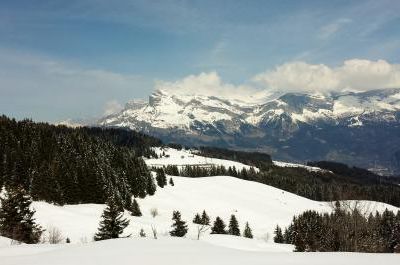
[174, 251]
[261, 205]
[188, 157]
[181, 158]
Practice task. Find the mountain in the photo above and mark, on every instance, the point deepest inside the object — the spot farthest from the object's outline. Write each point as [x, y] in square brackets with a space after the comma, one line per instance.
[357, 128]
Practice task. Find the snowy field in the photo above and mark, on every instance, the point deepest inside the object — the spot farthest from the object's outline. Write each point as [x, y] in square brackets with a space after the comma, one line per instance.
[175, 251]
[184, 157]
[261, 205]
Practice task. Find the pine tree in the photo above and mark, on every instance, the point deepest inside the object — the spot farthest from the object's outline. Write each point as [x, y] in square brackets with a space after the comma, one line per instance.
[278, 238]
[197, 219]
[247, 231]
[171, 182]
[205, 219]
[161, 178]
[16, 217]
[218, 227]
[234, 226]
[179, 227]
[151, 186]
[135, 209]
[395, 238]
[67, 240]
[142, 233]
[112, 224]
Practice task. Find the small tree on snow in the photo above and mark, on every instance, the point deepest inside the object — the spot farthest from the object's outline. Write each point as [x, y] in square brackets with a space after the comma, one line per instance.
[135, 209]
[112, 223]
[247, 231]
[154, 213]
[54, 235]
[179, 227]
[234, 226]
[218, 227]
[142, 233]
[171, 182]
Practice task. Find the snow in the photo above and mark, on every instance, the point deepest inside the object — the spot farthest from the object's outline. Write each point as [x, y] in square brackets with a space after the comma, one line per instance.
[261, 205]
[168, 251]
[183, 158]
[4, 241]
[287, 164]
[165, 110]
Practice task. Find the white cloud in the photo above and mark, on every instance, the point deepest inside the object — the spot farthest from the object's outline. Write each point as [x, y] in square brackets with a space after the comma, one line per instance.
[208, 84]
[355, 74]
[111, 107]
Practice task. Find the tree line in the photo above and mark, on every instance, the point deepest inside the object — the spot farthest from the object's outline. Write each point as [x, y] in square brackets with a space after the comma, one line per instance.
[345, 229]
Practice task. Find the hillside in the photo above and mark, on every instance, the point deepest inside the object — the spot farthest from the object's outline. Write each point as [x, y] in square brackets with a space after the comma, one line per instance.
[261, 205]
[312, 182]
[74, 165]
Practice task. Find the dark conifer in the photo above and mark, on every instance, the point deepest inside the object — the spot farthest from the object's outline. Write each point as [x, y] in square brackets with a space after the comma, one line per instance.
[171, 182]
[112, 224]
[278, 238]
[197, 219]
[16, 217]
[218, 227]
[247, 231]
[151, 186]
[205, 219]
[161, 178]
[142, 233]
[234, 226]
[179, 227]
[135, 209]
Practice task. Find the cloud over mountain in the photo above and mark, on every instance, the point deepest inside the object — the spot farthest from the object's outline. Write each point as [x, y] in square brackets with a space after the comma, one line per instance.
[354, 74]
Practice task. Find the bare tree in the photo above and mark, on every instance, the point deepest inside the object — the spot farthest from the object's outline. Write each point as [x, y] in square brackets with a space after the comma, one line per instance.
[154, 212]
[54, 235]
[154, 230]
[201, 228]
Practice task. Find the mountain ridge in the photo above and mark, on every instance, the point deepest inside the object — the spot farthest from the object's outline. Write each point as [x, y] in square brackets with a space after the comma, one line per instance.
[293, 126]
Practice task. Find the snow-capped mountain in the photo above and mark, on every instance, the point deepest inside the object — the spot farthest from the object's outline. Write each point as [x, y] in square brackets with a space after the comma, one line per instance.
[359, 128]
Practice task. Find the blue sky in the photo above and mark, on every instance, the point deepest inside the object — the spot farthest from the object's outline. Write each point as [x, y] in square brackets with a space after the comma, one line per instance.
[61, 59]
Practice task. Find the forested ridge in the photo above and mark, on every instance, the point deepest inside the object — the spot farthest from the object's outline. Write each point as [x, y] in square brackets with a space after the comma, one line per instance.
[69, 166]
[314, 185]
